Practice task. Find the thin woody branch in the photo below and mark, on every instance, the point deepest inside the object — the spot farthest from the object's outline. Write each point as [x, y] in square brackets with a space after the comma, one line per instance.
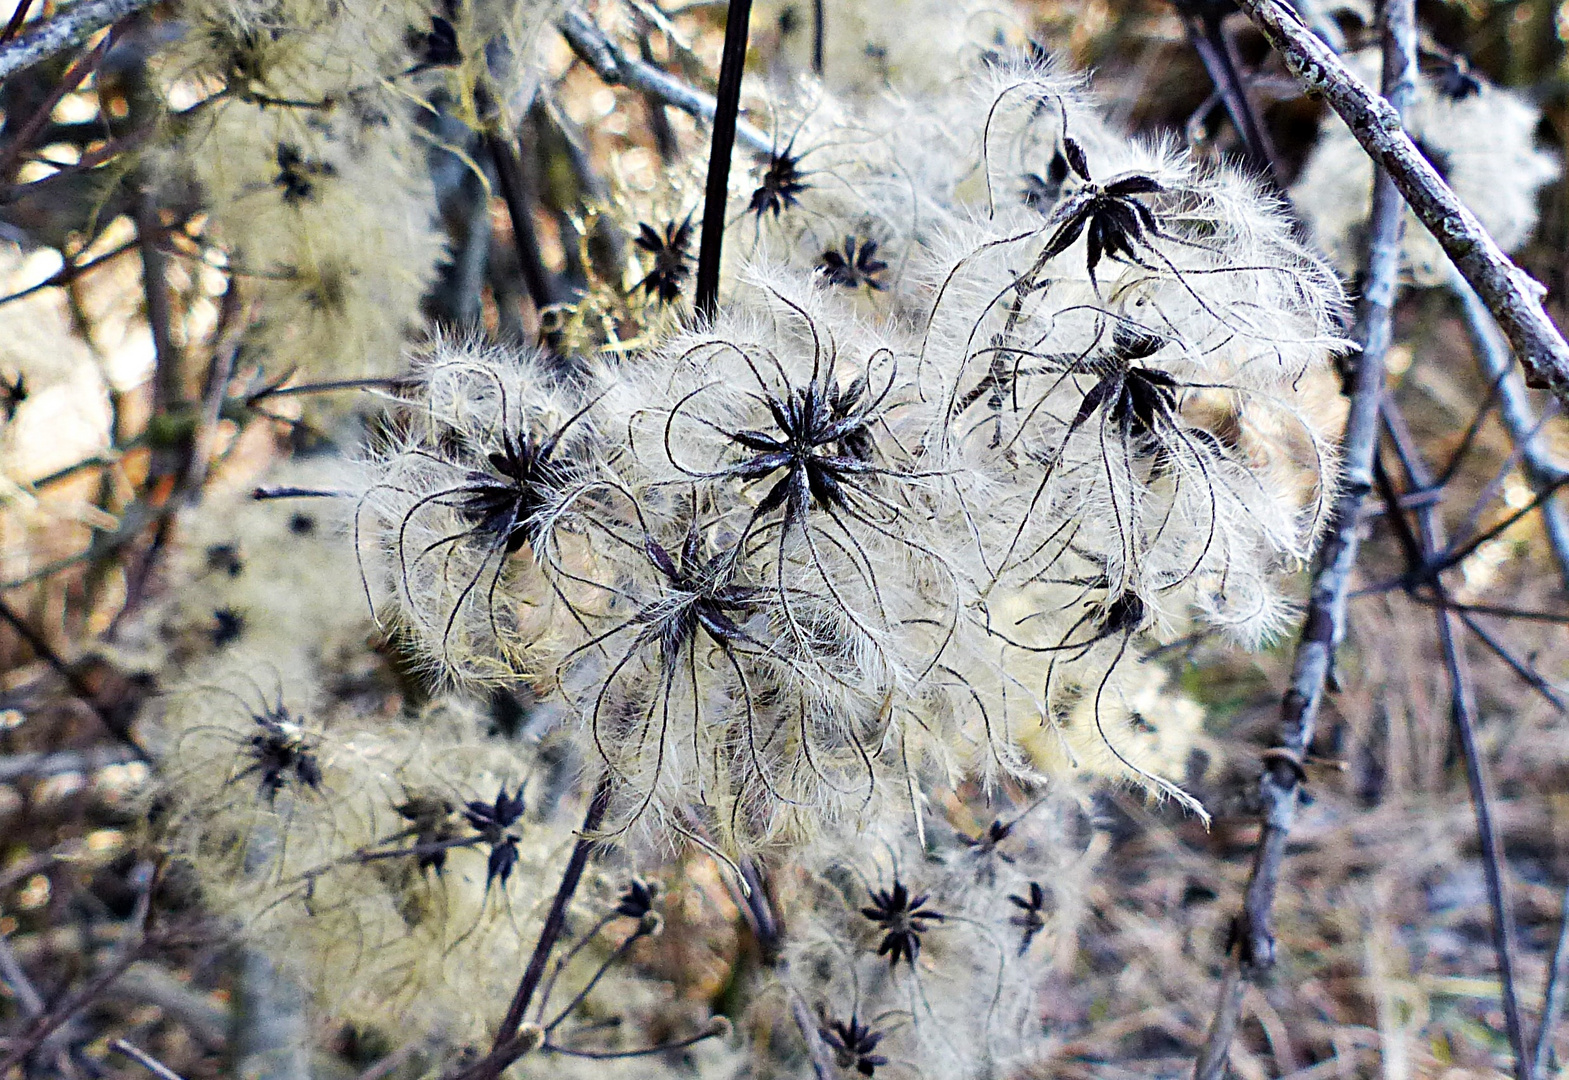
[1253, 942]
[513, 1039]
[1513, 297]
[716, 193]
[65, 31]
[1514, 409]
[614, 66]
[1463, 715]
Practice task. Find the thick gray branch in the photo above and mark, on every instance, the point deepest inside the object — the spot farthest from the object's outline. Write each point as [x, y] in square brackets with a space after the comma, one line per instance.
[1510, 294]
[1281, 783]
[614, 66]
[65, 31]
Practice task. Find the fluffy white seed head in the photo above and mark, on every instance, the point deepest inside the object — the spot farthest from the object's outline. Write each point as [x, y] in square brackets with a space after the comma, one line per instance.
[1483, 142]
[450, 525]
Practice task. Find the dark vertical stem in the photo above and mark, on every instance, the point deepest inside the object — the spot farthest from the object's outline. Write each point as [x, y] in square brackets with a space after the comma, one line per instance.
[514, 192]
[817, 36]
[168, 371]
[1463, 715]
[605, 243]
[716, 195]
[15, 22]
[18, 143]
[1514, 409]
[549, 934]
[1463, 707]
[1207, 36]
[113, 722]
[767, 928]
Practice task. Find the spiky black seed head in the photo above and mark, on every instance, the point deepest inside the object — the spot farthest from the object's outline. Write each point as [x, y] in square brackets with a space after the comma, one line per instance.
[854, 1044]
[297, 174]
[1451, 74]
[986, 843]
[780, 186]
[430, 818]
[699, 593]
[1114, 221]
[225, 559]
[436, 47]
[1031, 919]
[493, 822]
[672, 252]
[1123, 615]
[855, 265]
[281, 752]
[638, 900]
[499, 814]
[12, 394]
[228, 626]
[903, 917]
[501, 502]
[1042, 192]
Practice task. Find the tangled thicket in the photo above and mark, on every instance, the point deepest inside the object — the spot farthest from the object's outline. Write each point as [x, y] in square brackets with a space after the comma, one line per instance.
[791, 574]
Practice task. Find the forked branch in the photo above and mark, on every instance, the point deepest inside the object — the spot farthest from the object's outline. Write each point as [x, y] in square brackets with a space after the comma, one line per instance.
[614, 66]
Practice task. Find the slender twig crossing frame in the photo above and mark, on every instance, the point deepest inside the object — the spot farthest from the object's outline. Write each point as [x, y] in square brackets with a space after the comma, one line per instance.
[1253, 942]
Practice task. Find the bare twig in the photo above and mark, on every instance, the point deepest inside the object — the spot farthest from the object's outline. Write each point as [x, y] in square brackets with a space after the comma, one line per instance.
[268, 1033]
[766, 927]
[169, 367]
[1514, 299]
[117, 725]
[14, 767]
[389, 1064]
[507, 1046]
[1207, 36]
[816, 1049]
[1280, 785]
[514, 192]
[199, 1013]
[14, 23]
[65, 31]
[658, 122]
[129, 953]
[1463, 705]
[72, 78]
[15, 977]
[612, 65]
[1463, 714]
[1514, 409]
[1440, 561]
[1553, 999]
[145, 1060]
[716, 196]
[716, 1028]
[818, 36]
